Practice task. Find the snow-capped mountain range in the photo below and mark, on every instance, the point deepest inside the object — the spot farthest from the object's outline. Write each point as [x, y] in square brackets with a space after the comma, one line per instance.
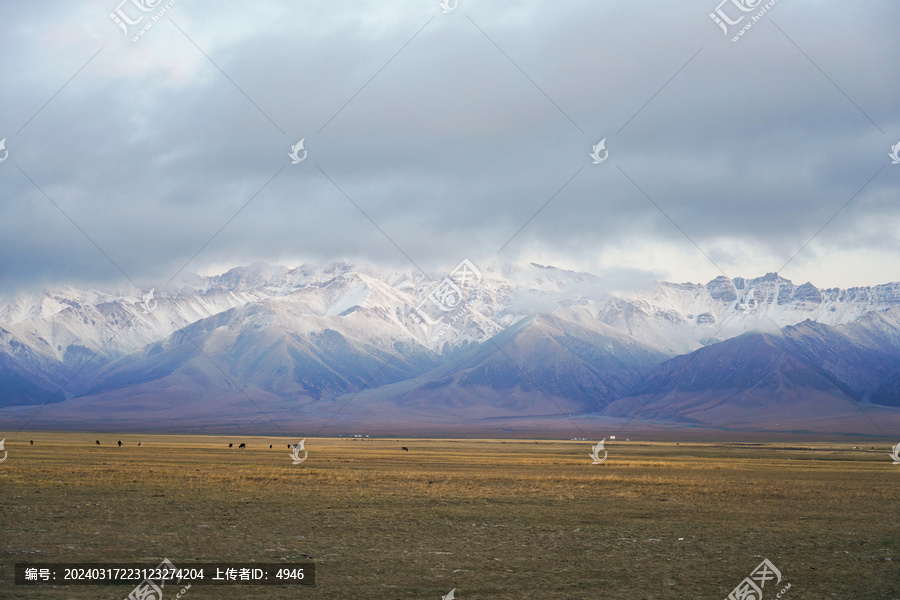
[483, 342]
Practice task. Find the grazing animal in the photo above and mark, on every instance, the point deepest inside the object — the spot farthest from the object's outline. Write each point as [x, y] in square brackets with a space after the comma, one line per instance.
[139, 444]
[404, 448]
[32, 442]
[230, 445]
[270, 446]
[97, 442]
[120, 443]
[289, 445]
[243, 445]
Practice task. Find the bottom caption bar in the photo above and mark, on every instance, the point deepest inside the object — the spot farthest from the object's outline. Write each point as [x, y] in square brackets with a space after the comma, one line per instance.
[148, 578]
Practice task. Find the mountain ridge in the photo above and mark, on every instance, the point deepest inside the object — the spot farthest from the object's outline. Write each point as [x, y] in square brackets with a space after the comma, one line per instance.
[538, 340]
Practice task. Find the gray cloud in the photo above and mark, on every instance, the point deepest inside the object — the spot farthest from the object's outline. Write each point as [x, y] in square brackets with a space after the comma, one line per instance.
[449, 149]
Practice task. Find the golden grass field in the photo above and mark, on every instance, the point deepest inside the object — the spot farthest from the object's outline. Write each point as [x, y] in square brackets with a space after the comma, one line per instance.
[490, 518]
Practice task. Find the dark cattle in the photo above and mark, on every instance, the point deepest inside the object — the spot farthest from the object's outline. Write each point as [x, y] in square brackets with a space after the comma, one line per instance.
[139, 444]
[404, 448]
[243, 445]
[289, 445]
[97, 442]
[270, 446]
[230, 445]
[120, 443]
[31, 442]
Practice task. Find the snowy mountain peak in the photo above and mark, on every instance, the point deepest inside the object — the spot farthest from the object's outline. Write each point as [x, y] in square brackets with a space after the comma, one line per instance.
[403, 340]
[67, 323]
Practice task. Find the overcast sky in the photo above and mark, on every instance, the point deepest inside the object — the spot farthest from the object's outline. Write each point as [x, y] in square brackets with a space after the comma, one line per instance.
[433, 137]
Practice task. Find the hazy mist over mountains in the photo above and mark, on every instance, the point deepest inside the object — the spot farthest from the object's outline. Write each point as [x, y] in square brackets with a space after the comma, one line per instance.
[511, 343]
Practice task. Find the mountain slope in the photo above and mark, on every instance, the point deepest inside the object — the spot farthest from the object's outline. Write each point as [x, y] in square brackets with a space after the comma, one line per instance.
[18, 386]
[277, 347]
[543, 365]
[520, 341]
[791, 381]
[858, 357]
[27, 377]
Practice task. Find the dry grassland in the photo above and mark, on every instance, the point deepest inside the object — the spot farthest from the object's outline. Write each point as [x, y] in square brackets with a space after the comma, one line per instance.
[493, 519]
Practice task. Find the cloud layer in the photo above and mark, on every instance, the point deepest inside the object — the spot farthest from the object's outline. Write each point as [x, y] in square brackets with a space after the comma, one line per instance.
[434, 137]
